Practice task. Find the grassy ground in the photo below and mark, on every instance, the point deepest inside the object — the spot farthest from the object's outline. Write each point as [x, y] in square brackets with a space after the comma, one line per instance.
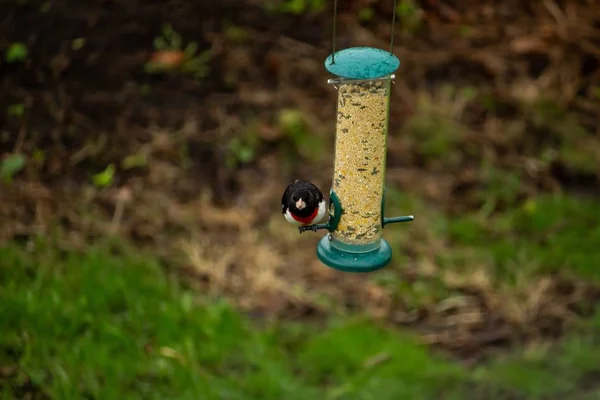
[111, 324]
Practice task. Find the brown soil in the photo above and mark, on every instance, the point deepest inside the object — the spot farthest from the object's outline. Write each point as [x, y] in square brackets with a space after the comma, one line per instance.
[88, 107]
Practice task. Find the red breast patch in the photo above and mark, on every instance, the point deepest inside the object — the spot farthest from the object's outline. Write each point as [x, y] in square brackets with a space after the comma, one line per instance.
[306, 220]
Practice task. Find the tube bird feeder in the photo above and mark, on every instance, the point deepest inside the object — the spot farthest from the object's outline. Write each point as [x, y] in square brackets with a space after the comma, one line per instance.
[355, 242]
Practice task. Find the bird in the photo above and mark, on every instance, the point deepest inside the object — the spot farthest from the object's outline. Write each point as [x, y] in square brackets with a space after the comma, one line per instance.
[303, 204]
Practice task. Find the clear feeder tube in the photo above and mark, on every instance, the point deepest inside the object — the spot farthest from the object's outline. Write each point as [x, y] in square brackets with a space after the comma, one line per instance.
[359, 164]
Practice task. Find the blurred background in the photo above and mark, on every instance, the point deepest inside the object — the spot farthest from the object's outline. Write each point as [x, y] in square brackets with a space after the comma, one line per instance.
[144, 149]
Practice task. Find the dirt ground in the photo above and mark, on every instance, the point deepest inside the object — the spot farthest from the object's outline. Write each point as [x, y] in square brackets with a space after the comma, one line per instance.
[89, 103]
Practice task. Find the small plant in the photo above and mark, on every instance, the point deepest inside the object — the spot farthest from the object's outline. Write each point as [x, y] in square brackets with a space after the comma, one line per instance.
[302, 141]
[171, 55]
[243, 149]
[135, 160]
[501, 188]
[437, 127]
[16, 110]
[465, 31]
[105, 178]
[409, 15]
[45, 6]
[11, 166]
[567, 140]
[78, 44]
[240, 152]
[236, 34]
[366, 14]
[38, 157]
[17, 52]
[296, 7]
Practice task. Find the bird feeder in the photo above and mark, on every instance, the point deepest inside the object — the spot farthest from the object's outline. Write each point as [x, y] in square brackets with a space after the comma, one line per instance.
[355, 243]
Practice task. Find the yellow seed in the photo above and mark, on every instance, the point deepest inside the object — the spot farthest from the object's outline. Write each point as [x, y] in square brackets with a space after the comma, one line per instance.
[360, 158]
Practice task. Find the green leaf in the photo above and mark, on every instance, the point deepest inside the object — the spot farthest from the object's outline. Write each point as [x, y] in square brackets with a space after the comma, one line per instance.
[245, 154]
[190, 49]
[16, 52]
[11, 166]
[160, 43]
[134, 161]
[105, 177]
[16, 110]
[78, 44]
[366, 14]
[39, 156]
[154, 68]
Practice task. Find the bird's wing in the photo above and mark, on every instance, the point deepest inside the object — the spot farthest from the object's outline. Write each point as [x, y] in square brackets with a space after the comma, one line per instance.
[286, 195]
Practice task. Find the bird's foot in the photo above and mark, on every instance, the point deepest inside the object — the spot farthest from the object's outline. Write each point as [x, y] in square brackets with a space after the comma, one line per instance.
[314, 227]
[305, 228]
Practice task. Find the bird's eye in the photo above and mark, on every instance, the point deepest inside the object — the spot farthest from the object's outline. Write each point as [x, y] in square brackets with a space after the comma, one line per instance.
[295, 198]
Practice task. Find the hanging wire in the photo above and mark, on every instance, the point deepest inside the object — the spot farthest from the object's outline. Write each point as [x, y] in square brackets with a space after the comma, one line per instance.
[393, 29]
[334, 31]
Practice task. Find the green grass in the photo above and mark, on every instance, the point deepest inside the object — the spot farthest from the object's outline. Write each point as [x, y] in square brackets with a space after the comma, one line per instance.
[113, 325]
[551, 233]
[547, 233]
[116, 327]
[560, 371]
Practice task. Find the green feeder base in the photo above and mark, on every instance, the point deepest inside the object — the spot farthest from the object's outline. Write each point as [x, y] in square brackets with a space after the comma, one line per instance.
[354, 262]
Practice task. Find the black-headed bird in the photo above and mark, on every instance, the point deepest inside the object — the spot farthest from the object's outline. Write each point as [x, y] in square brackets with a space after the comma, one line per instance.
[303, 203]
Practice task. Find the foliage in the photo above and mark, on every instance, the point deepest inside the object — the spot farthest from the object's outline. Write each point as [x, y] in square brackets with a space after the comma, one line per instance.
[105, 178]
[171, 54]
[16, 110]
[295, 7]
[16, 52]
[11, 166]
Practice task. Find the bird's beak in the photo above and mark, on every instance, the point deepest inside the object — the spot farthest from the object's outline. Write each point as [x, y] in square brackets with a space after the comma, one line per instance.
[300, 204]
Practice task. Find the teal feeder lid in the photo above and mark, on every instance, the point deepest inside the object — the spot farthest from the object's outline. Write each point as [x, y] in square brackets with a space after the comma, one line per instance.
[362, 63]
